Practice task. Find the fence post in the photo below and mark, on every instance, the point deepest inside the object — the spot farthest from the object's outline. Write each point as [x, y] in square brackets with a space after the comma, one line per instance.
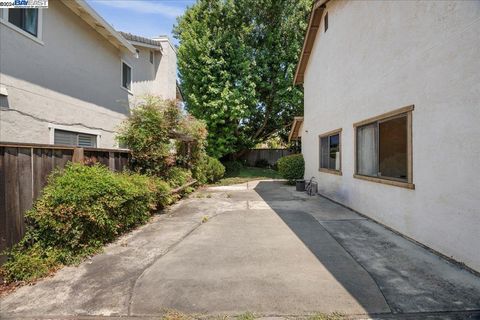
[111, 161]
[78, 156]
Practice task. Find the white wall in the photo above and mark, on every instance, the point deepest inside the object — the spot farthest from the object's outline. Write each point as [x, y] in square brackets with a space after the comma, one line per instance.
[159, 78]
[71, 77]
[167, 70]
[378, 56]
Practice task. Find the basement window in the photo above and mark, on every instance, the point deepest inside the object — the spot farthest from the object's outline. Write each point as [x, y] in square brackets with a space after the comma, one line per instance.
[330, 149]
[384, 148]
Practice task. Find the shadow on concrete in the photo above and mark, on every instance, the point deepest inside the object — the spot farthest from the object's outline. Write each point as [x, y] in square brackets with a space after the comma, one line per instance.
[384, 272]
[328, 251]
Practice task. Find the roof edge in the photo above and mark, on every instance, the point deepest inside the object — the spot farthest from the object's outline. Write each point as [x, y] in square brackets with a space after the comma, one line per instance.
[140, 41]
[91, 17]
[309, 40]
[297, 122]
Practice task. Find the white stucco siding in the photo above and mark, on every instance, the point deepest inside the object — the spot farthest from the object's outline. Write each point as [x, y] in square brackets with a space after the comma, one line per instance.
[72, 78]
[143, 74]
[378, 56]
[167, 71]
[159, 78]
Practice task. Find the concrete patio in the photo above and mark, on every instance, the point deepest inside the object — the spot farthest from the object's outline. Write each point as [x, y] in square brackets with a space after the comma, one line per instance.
[265, 248]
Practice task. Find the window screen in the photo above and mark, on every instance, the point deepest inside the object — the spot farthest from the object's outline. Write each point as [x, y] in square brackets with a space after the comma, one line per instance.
[382, 148]
[25, 19]
[392, 151]
[75, 139]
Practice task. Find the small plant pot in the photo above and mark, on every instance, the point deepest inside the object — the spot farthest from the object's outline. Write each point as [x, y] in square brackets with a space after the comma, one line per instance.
[300, 185]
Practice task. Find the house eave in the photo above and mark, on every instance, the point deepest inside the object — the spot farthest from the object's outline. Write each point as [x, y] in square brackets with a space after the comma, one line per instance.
[91, 17]
[309, 40]
[145, 45]
[295, 133]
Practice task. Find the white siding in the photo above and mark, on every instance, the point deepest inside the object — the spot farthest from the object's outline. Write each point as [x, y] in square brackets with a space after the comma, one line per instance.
[72, 79]
[378, 56]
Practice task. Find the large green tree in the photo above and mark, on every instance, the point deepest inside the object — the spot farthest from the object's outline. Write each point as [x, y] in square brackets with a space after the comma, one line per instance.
[236, 61]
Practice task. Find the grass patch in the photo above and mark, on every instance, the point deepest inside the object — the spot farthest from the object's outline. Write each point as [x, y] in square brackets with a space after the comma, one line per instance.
[176, 315]
[247, 174]
[246, 316]
[323, 316]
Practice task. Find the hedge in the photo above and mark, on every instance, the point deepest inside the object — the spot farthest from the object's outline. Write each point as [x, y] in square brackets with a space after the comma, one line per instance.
[292, 167]
[81, 209]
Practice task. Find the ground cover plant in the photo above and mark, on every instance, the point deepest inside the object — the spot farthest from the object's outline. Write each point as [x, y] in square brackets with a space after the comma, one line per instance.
[81, 209]
[246, 174]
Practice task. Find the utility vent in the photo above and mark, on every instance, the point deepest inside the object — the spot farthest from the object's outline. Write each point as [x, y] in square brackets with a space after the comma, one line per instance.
[75, 139]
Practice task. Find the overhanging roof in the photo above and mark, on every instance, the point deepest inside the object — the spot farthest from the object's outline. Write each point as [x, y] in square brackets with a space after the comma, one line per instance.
[90, 16]
[295, 132]
[311, 34]
[142, 41]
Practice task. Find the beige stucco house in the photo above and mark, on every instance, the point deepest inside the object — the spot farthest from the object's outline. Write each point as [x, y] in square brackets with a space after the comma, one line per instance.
[391, 125]
[67, 77]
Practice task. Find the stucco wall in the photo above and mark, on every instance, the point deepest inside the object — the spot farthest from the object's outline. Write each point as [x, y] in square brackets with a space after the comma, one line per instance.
[167, 70]
[157, 79]
[72, 78]
[378, 56]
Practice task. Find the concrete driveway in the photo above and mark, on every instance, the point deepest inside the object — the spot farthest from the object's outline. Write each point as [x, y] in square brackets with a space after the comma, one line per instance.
[265, 249]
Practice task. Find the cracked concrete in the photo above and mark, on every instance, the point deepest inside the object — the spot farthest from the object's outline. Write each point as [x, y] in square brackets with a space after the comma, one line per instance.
[266, 249]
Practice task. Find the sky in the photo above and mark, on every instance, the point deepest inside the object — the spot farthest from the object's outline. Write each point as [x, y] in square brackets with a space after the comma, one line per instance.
[147, 18]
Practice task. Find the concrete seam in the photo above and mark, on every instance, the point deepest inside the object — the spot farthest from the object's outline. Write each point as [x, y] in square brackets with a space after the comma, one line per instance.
[288, 316]
[360, 264]
[168, 250]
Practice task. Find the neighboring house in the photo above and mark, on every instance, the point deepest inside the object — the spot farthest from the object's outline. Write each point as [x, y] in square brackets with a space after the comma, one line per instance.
[155, 70]
[67, 77]
[391, 124]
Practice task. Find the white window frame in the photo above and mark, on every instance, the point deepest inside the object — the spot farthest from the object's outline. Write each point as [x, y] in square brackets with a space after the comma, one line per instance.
[121, 77]
[52, 127]
[38, 39]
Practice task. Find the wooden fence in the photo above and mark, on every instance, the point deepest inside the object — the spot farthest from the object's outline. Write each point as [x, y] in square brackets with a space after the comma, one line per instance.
[24, 169]
[271, 155]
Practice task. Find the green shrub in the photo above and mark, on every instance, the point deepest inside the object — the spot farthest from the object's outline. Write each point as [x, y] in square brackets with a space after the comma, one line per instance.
[81, 209]
[233, 167]
[147, 134]
[29, 264]
[215, 170]
[262, 163]
[209, 170]
[154, 129]
[178, 177]
[292, 167]
[163, 194]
